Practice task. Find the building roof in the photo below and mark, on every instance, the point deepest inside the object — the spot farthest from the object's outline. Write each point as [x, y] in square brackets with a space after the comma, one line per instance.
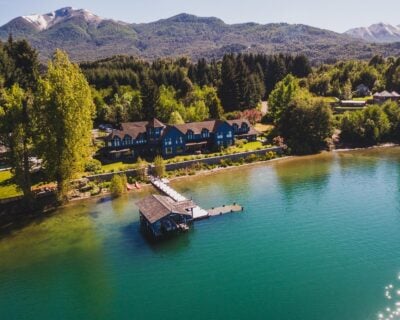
[135, 129]
[353, 103]
[197, 127]
[155, 123]
[156, 207]
[239, 122]
[386, 94]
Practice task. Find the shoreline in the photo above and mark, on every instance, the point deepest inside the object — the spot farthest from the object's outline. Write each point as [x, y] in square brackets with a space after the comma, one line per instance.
[15, 221]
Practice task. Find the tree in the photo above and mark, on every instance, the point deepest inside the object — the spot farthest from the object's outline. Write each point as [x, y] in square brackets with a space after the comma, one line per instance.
[159, 166]
[228, 90]
[305, 125]
[176, 118]
[392, 111]
[65, 110]
[16, 131]
[24, 65]
[118, 185]
[141, 168]
[167, 104]
[150, 96]
[19, 68]
[197, 111]
[367, 127]
[281, 96]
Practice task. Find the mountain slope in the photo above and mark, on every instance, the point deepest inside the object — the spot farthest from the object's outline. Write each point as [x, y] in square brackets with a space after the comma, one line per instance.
[379, 33]
[86, 36]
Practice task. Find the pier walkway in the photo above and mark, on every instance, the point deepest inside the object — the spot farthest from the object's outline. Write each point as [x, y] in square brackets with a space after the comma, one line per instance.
[198, 213]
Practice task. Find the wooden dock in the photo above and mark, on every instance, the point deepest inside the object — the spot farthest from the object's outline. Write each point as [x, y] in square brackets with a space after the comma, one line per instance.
[198, 213]
[224, 210]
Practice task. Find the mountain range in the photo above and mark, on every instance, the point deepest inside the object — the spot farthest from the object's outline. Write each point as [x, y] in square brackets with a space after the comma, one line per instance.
[86, 36]
[379, 33]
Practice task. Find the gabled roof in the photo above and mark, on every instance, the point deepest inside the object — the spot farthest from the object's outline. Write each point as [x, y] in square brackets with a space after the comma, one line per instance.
[133, 129]
[197, 127]
[156, 207]
[155, 123]
[239, 122]
[386, 94]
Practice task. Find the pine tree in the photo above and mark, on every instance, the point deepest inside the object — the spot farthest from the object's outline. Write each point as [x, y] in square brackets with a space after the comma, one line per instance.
[228, 92]
[150, 96]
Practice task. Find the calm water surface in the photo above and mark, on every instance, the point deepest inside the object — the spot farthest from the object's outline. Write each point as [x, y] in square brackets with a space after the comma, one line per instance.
[319, 239]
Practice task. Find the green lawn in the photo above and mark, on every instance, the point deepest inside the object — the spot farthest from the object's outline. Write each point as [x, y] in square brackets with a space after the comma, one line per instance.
[363, 99]
[250, 146]
[8, 189]
[117, 166]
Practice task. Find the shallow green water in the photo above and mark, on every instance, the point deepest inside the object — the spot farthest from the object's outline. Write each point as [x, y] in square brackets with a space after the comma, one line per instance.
[319, 239]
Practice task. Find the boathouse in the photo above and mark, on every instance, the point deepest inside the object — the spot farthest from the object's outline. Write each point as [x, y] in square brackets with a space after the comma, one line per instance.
[161, 215]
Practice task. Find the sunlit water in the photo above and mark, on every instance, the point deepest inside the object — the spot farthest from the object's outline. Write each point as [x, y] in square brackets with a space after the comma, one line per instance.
[319, 239]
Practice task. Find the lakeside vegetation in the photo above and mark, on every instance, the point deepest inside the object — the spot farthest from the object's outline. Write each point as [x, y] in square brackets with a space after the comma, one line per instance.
[47, 114]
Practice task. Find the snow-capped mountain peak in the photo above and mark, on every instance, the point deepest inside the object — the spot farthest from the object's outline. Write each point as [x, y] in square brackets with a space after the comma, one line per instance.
[379, 32]
[45, 21]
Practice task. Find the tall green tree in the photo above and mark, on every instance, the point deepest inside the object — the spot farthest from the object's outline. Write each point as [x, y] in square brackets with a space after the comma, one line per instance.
[19, 68]
[279, 99]
[306, 124]
[16, 127]
[150, 95]
[66, 110]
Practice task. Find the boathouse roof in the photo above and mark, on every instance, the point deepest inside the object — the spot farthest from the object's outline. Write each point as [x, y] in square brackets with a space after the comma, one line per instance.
[156, 207]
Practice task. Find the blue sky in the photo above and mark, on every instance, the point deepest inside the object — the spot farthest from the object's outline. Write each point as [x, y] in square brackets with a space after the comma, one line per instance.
[337, 15]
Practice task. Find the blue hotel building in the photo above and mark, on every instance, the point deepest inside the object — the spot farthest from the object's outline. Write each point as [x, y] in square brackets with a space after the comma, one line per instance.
[153, 137]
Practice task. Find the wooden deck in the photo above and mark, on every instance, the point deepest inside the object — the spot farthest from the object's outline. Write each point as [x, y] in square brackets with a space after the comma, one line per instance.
[224, 210]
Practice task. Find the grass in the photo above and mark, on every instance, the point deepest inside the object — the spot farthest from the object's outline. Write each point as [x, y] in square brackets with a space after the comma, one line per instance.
[8, 188]
[116, 166]
[363, 98]
[250, 146]
[263, 127]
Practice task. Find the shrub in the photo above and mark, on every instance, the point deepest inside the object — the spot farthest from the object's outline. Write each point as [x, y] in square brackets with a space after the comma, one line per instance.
[159, 166]
[239, 143]
[251, 158]
[118, 185]
[270, 155]
[141, 166]
[93, 165]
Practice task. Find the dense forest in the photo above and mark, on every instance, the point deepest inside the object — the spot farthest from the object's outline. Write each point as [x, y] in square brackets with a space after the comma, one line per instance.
[126, 88]
[47, 112]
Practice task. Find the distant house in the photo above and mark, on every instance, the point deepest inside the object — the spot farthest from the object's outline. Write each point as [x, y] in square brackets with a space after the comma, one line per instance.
[161, 215]
[384, 96]
[153, 137]
[362, 91]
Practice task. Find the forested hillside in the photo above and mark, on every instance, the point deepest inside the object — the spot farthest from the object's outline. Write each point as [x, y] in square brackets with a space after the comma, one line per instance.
[85, 36]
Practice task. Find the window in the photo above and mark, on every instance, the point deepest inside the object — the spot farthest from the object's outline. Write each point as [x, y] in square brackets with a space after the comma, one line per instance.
[190, 135]
[179, 140]
[168, 150]
[229, 134]
[220, 135]
[245, 127]
[235, 128]
[168, 142]
[205, 133]
[117, 142]
[127, 141]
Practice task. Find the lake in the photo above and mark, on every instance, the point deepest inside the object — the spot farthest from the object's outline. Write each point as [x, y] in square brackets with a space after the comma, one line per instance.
[319, 239]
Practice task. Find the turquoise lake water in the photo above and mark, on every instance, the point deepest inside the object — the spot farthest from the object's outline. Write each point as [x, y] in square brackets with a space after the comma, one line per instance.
[319, 239]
